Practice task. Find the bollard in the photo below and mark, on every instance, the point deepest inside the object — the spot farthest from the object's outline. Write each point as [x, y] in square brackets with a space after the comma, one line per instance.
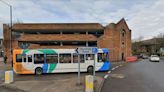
[8, 77]
[89, 83]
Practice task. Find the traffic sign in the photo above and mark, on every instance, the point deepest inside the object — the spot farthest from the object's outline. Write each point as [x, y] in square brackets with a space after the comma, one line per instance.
[87, 50]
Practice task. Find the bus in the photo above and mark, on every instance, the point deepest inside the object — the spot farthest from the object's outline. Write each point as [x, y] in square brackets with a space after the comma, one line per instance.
[39, 61]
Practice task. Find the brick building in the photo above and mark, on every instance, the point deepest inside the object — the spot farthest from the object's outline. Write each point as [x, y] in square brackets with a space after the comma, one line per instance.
[115, 37]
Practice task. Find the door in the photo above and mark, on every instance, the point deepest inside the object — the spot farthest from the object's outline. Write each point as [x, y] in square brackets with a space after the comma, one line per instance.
[122, 56]
[28, 64]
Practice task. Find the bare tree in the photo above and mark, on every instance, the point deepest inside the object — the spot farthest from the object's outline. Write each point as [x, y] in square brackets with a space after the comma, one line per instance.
[136, 44]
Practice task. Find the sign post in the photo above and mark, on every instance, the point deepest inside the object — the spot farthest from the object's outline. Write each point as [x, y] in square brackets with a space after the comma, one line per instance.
[79, 70]
[86, 50]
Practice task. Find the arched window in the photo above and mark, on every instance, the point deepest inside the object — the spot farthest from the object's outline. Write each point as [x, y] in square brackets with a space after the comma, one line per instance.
[123, 32]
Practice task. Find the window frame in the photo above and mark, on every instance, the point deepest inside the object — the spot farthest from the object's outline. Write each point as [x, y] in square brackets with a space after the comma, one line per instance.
[106, 57]
[20, 59]
[27, 57]
[52, 55]
[64, 58]
[39, 62]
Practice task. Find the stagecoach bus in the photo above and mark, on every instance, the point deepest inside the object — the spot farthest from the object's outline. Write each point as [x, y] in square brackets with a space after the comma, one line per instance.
[39, 61]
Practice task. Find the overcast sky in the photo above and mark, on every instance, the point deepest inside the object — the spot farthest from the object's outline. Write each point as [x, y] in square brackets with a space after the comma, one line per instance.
[144, 17]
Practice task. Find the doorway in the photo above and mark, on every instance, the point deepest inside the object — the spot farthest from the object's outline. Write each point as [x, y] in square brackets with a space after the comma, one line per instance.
[122, 56]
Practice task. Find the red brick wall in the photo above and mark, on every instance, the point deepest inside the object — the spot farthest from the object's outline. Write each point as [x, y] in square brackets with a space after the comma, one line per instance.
[6, 42]
[111, 39]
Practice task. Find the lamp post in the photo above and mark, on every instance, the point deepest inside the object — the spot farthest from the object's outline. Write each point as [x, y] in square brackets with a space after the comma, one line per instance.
[10, 6]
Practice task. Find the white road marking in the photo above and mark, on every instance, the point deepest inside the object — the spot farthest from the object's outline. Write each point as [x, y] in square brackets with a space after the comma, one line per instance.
[109, 71]
[116, 66]
[106, 76]
[113, 68]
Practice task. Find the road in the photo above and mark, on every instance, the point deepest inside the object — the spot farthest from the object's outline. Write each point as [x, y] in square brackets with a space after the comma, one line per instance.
[55, 76]
[142, 76]
[44, 77]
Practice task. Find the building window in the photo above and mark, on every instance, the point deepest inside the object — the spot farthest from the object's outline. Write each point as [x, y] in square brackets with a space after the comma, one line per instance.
[92, 43]
[68, 32]
[122, 43]
[74, 43]
[96, 33]
[123, 33]
[49, 43]
[23, 45]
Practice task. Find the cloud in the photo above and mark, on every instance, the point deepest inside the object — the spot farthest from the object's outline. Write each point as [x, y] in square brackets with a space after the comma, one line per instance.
[148, 22]
[143, 17]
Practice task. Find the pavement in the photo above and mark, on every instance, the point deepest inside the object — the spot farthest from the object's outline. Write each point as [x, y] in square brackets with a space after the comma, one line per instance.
[64, 82]
[142, 76]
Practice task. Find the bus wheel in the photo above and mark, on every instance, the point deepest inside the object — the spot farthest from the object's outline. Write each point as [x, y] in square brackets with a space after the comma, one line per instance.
[38, 71]
[90, 69]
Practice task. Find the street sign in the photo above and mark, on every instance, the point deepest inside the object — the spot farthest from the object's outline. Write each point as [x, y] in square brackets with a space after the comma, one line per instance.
[87, 50]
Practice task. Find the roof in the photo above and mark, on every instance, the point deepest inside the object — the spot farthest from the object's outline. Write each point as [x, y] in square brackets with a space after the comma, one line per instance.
[57, 26]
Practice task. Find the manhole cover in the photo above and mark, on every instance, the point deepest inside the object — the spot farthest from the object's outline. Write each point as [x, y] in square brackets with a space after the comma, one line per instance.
[120, 76]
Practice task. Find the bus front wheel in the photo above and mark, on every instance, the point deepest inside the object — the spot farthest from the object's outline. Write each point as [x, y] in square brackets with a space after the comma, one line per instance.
[90, 69]
[38, 71]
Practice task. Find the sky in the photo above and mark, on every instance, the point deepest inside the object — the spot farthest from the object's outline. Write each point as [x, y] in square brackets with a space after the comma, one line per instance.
[144, 17]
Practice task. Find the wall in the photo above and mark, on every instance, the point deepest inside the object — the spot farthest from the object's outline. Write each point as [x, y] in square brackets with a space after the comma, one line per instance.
[112, 39]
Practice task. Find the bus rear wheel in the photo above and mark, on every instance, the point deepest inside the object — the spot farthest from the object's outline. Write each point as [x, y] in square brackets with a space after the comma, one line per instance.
[38, 71]
[90, 69]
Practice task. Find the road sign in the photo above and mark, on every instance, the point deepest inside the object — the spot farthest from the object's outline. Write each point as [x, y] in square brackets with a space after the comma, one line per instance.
[87, 50]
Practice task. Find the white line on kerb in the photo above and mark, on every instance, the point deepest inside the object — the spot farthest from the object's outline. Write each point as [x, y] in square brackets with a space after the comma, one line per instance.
[113, 68]
[106, 76]
[116, 66]
[109, 71]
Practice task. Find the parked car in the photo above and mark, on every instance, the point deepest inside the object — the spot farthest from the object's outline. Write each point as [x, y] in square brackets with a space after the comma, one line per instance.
[154, 58]
[145, 56]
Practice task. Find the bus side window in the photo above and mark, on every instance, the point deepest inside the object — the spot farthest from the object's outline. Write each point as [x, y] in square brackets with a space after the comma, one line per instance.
[29, 58]
[19, 58]
[81, 58]
[89, 56]
[24, 57]
[52, 58]
[102, 57]
[65, 58]
[75, 58]
[38, 58]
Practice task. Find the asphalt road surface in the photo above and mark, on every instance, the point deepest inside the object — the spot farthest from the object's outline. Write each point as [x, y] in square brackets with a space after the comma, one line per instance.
[142, 76]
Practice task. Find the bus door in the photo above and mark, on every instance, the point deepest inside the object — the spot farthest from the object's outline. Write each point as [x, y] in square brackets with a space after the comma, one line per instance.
[17, 62]
[82, 60]
[27, 63]
[103, 62]
[30, 61]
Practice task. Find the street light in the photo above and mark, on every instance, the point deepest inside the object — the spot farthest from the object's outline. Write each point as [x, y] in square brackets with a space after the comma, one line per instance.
[10, 6]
